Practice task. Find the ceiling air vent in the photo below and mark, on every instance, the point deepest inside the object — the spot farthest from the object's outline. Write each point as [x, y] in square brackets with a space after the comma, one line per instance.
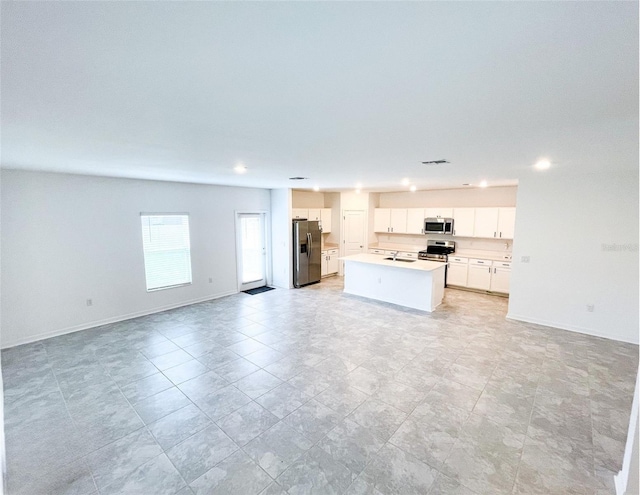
[435, 162]
[298, 178]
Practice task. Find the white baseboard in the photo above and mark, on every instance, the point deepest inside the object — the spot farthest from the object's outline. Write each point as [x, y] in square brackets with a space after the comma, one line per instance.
[570, 328]
[107, 321]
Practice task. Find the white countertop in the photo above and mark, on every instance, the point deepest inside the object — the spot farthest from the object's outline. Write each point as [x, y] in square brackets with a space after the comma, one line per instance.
[376, 259]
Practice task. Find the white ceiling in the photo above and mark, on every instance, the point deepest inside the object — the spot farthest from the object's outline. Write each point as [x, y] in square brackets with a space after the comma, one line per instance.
[337, 92]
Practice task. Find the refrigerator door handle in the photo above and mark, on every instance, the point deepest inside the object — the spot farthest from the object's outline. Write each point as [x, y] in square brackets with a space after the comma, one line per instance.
[309, 244]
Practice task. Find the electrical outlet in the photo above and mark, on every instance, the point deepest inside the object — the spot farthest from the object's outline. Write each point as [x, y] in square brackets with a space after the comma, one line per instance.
[210, 280]
[590, 308]
[89, 302]
[525, 259]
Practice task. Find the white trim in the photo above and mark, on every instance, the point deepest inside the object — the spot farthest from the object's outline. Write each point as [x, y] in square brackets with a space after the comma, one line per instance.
[626, 481]
[570, 328]
[107, 321]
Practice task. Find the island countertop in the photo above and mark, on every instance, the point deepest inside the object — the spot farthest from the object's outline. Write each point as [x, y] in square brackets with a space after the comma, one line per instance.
[376, 259]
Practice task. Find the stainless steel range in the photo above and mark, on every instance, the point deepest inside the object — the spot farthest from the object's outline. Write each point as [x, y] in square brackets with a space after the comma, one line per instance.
[438, 251]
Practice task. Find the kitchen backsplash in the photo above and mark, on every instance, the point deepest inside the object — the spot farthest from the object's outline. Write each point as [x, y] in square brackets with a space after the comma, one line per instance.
[462, 243]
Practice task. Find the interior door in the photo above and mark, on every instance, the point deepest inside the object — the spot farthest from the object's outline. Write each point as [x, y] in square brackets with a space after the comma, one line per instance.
[252, 252]
[354, 232]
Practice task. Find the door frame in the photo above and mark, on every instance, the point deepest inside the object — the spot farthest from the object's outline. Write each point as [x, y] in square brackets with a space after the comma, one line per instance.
[267, 248]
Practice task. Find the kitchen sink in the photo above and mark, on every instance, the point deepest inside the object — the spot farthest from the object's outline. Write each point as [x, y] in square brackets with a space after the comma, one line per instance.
[398, 259]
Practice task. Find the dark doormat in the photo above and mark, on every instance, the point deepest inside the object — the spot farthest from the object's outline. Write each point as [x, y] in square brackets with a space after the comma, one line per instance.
[258, 290]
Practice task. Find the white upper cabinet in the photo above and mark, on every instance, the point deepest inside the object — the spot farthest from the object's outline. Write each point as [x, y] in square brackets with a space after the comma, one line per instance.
[464, 221]
[298, 213]
[486, 224]
[415, 220]
[490, 223]
[506, 223]
[325, 220]
[381, 219]
[399, 220]
[438, 212]
[495, 223]
[314, 214]
[390, 220]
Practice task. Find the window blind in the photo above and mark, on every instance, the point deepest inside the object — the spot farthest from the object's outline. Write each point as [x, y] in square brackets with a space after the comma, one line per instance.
[167, 250]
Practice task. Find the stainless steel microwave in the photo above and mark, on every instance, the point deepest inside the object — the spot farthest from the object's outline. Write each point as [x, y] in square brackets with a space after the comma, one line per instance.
[438, 226]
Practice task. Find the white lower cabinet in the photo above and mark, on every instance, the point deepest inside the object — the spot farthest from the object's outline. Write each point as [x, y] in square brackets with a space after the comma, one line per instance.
[457, 271]
[500, 277]
[329, 262]
[479, 276]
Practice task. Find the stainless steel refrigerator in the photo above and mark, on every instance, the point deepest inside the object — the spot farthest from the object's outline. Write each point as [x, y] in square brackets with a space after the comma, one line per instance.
[306, 252]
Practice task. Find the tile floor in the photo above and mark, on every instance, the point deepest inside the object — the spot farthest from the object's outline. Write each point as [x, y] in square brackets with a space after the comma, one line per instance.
[313, 392]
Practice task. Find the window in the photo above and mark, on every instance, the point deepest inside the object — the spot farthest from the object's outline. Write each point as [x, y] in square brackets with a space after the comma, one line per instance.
[167, 250]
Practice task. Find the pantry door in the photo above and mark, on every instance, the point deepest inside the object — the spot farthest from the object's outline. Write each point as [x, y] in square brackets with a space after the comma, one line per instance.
[354, 232]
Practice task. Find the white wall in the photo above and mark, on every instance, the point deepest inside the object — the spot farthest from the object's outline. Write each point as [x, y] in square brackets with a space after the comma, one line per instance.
[68, 238]
[3, 451]
[281, 238]
[307, 199]
[567, 226]
[450, 198]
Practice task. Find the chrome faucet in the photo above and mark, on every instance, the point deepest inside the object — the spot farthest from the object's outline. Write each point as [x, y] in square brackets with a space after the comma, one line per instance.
[395, 254]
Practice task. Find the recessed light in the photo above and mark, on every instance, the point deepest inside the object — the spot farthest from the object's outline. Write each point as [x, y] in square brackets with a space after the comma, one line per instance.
[316, 188]
[413, 188]
[483, 183]
[405, 182]
[240, 168]
[542, 164]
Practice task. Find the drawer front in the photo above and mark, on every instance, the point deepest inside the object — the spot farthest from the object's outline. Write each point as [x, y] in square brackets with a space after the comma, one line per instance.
[502, 264]
[474, 261]
[457, 259]
[376, 251]
[406, 254]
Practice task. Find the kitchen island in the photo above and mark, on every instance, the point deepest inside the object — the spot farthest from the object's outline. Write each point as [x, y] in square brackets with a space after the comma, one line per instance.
[415, 284]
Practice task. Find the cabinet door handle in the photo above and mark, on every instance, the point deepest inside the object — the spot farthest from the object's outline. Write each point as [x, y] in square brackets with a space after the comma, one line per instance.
[489, 269]
[494, 234]
[500, 234]
[494, 270]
